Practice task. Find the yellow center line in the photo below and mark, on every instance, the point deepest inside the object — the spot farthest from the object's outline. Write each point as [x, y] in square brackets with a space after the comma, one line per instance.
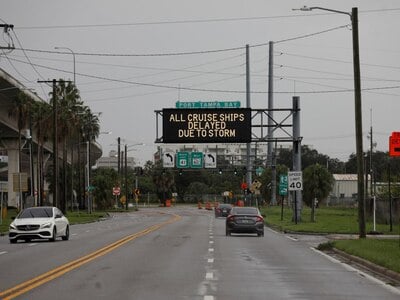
[39, 280]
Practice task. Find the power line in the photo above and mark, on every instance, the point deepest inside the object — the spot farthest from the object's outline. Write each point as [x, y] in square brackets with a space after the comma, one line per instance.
[180, 53]
[311, 34]
[136, 55]
[215, 20]
[337, 60]
[193, 21]
[207, 90]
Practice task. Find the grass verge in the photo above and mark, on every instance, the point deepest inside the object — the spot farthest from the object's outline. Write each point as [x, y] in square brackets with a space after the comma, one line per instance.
[327, 220]
[385, 253]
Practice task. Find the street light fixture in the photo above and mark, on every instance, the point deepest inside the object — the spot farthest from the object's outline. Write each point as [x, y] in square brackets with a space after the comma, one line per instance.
[358, 112]
[73, 55]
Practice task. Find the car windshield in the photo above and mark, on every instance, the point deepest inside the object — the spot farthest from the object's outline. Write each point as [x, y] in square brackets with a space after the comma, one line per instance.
[225, 206]
[36, 212]
[246, 211]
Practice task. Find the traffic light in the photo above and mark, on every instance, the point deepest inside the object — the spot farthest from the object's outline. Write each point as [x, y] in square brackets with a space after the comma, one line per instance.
[180, 172]
[220, 171]
[235, 171]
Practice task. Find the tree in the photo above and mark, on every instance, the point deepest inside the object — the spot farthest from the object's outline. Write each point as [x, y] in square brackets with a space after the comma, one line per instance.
[41, 122]
[317, 184]
[164, 181]
[266, 178]
[104, 179]
[20, 110]
[69, 104]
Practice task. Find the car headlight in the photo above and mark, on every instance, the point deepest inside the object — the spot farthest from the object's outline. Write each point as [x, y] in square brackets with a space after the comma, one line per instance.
[12, 226]
[46, 225]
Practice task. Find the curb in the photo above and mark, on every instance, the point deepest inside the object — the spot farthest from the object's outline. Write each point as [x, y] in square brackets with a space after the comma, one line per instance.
[369, 265]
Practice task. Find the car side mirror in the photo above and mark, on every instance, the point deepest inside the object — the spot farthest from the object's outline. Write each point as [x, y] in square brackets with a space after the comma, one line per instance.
[58, 216]
[12, 218]
[264, 215]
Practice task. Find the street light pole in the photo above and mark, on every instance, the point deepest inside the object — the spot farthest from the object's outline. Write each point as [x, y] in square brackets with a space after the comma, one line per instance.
[73, 55]
[358, 112]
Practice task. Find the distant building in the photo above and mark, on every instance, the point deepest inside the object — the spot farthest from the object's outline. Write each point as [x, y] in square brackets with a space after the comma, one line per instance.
[112, 161]
[344, 189]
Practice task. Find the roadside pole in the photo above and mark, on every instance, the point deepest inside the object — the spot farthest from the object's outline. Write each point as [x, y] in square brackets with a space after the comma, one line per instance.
[1, 208]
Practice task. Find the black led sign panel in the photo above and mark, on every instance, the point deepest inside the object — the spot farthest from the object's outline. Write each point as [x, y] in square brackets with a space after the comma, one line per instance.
[231, 125]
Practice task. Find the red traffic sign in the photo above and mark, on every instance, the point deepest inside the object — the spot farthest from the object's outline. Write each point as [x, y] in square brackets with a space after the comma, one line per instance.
[244, 186]
[394, 144]
[116, 191]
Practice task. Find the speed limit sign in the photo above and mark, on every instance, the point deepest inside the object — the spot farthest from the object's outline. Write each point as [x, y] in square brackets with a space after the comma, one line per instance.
[295, 181]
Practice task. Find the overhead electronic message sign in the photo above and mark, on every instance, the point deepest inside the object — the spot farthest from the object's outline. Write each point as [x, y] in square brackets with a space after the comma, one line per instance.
[231, 125]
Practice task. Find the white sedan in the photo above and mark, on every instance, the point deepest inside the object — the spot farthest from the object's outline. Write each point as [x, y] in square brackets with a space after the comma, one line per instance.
[43, 222]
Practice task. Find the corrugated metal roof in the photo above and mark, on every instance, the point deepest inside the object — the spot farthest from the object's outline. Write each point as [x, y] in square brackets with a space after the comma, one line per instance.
[345, 177]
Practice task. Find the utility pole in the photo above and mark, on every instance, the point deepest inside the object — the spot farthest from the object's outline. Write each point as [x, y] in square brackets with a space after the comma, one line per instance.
[358, 113]
[119, 155]
[271, 156]
[55, 141]
[6, 30]
[298, 199]
[126, 177]
[248, 145]
[55, 144]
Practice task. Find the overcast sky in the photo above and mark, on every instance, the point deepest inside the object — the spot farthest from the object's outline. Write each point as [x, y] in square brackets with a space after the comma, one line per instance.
[132, 59]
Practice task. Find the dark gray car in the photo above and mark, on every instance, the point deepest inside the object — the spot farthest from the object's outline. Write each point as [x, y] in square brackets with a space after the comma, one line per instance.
[223, 210]
[244, 220]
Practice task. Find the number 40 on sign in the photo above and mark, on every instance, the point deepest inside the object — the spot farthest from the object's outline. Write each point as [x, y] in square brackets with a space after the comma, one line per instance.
[295, 181]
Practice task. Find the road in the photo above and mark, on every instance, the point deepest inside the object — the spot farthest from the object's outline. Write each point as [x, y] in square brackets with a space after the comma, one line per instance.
[177, 253]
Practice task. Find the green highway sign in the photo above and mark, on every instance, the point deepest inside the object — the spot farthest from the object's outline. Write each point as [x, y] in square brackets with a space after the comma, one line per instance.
[196, 160]
[208, 104]
[283, 185]
[182, 160]
[259, 171]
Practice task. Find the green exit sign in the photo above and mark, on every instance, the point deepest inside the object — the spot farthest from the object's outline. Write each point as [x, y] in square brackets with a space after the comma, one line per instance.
[196, 160]
[182, 160]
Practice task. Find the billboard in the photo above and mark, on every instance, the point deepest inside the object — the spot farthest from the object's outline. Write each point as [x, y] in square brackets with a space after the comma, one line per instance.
[231, 125]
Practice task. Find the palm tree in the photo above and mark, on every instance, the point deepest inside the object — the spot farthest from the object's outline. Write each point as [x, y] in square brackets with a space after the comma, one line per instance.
[164, 181]
[69, 103]
[20, 110]
[42, 124]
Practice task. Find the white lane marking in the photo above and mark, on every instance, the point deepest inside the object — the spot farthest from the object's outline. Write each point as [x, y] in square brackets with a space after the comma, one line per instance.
[74, 234]
[208, 297]
[291, 238]
[274, 231]
[211, 250]
[3, 252]
[210, 260]
[351, 269]
[211, 242]
[32, 244]
[209, 275]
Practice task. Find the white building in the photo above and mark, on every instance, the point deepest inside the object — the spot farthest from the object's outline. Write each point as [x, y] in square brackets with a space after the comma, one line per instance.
[112, 161]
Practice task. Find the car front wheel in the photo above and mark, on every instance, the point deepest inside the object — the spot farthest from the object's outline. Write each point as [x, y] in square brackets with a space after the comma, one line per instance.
[66, 236]
[13, 241]
[53, 238]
